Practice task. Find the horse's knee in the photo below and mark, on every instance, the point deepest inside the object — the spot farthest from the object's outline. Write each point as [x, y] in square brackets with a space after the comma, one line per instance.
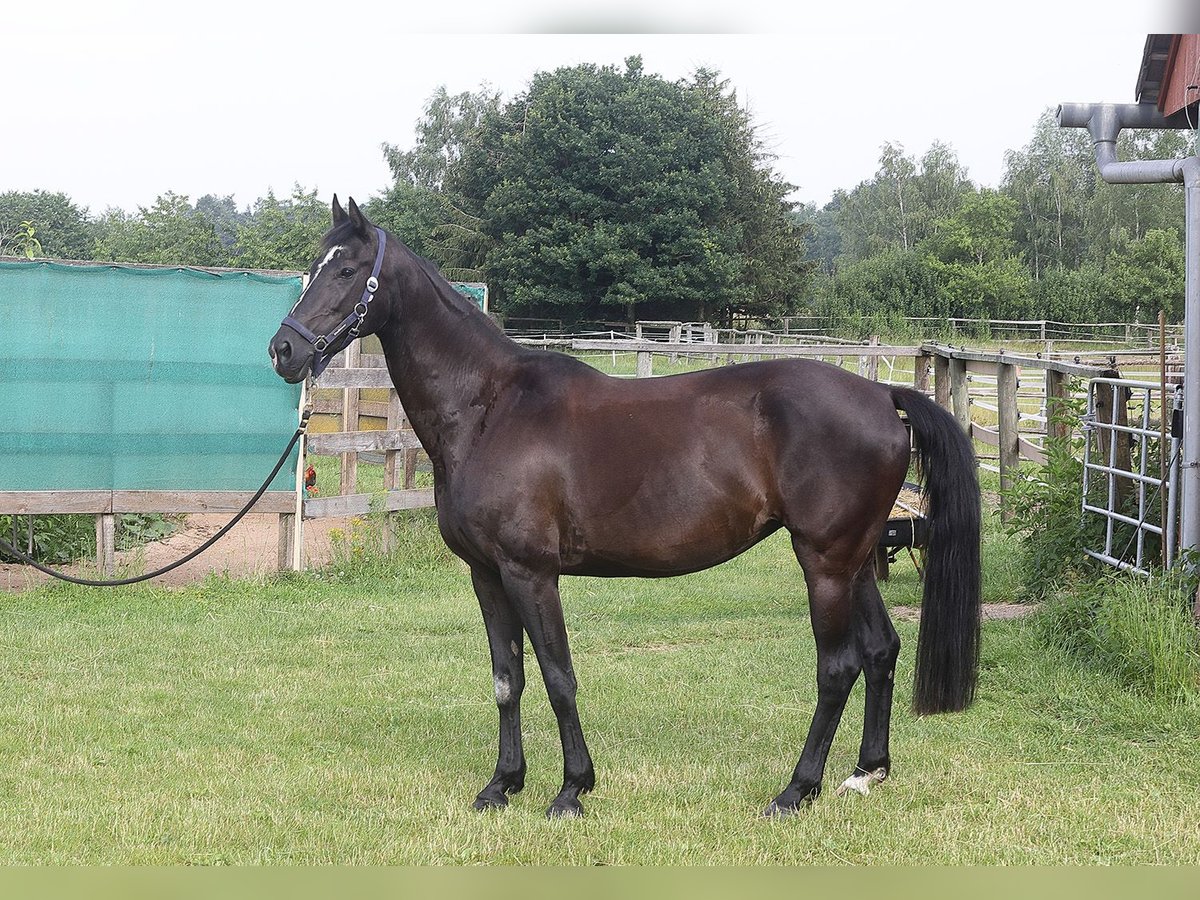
[561, 688]
[508, 690]
[837, 672]
[881, 655]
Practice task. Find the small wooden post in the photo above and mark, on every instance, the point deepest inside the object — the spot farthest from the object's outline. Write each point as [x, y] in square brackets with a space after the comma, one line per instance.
[941, 380]
[921, 373]
[287, 541]
[392, 472]
[873, 361]
[106, 542]
[1056, 394]
[293, 542]
[350, 408]
[960, 400]
[1010, 450]
[645, 364]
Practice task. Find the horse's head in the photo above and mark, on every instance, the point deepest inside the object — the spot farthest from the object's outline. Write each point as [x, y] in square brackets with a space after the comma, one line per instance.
[336, 305]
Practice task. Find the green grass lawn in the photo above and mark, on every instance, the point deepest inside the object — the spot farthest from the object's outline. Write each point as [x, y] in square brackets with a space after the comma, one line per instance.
[347, 716]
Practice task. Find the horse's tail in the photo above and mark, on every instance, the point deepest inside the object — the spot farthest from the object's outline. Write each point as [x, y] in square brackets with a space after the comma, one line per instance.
[948, 641]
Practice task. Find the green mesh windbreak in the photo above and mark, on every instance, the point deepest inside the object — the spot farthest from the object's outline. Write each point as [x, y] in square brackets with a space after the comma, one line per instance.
[141, 379]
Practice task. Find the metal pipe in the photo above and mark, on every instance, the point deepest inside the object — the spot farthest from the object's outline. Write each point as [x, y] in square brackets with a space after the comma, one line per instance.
[1104, 122]
[1190, 480]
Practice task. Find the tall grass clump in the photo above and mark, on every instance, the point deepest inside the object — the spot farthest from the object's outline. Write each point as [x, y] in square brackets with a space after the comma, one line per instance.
[1138, 630]
[379, 545]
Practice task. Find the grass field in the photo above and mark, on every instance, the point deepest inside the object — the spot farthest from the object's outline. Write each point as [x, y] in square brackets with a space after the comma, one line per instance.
[347, 717]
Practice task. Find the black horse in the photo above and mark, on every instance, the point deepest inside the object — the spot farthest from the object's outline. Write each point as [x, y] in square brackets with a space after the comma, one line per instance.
[544, 466]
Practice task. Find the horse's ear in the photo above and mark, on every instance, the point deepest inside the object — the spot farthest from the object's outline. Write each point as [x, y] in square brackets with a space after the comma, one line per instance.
[360, 221]
[339, 215]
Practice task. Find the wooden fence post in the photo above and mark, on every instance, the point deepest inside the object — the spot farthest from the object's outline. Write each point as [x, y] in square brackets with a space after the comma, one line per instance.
[941, 380]
[287, 541]
[960, 400]
[106, 542]
[1010, 451]
[921, 372]
[1056, 394]
[350, 407]
[645, 364]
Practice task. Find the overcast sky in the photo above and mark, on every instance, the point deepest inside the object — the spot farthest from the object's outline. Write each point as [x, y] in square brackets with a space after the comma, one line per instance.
[116, 102]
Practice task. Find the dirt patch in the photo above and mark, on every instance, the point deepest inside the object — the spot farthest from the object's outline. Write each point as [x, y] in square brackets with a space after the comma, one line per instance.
[250, 548]
[990, 611]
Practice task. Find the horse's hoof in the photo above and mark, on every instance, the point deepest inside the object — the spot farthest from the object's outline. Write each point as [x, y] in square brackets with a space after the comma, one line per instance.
[861, 782]
[565, 809]
[790, 802]
[491, 799]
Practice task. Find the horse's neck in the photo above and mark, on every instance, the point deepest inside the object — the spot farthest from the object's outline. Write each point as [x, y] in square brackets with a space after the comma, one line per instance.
[447, 361]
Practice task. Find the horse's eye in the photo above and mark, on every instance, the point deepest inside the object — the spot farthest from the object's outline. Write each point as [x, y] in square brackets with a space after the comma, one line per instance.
[346, 272]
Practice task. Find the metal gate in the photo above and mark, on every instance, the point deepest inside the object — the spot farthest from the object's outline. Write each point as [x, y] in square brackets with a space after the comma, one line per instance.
[1130, 474]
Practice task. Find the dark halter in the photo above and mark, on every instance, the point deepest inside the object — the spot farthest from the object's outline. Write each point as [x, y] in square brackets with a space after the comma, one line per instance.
[352, 323]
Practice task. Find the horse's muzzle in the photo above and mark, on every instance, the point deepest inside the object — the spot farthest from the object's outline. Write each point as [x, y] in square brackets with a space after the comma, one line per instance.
[291, 355]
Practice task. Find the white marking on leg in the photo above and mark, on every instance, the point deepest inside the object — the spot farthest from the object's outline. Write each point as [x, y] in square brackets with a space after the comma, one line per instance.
[317, 274]
[861, 782]
[503, 691]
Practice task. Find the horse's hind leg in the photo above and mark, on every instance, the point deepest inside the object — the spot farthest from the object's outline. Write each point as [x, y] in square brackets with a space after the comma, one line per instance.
[879, 646]
[505, 641]
[838, 666]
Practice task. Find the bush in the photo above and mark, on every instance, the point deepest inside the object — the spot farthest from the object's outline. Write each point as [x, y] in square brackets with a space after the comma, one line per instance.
[1047, 511]
[63, 539]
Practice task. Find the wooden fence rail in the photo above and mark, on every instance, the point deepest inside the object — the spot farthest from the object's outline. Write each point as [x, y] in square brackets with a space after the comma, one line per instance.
[969, 383]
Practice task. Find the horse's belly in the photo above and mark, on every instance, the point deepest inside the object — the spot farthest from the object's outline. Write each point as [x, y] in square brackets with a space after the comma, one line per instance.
[675, 538]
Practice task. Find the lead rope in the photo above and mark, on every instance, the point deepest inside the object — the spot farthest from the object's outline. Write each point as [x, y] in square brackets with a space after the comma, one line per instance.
[115, 582]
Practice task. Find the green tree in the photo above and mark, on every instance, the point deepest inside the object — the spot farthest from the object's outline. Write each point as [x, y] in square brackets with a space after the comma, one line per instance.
[1052, 179]
[616, 192]
[282, 234]
[1149, 275]
[1086, 294]
[420, 206]
[62, 228]
[225, 217]
[900, 206]
[973, 257]
[171, 232]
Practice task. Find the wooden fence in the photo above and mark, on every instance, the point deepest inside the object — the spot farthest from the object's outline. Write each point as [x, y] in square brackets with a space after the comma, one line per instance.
[1000, 399]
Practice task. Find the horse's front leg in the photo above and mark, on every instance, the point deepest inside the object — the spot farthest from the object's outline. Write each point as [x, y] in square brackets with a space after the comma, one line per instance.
[535, 595]
[505, 641]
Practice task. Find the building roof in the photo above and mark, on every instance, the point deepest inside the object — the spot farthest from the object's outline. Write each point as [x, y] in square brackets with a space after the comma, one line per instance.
[1154, 66]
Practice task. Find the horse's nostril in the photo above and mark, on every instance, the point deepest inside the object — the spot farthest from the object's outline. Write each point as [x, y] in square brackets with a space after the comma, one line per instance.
[283, 350]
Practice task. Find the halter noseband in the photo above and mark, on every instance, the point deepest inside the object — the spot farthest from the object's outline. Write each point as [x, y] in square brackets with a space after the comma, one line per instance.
[352, 322]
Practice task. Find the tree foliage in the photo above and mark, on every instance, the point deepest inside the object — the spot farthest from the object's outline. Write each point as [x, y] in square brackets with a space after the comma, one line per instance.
[281, 234]
[601, 193]
[171, 232]
[60, 228]
[1054, 241]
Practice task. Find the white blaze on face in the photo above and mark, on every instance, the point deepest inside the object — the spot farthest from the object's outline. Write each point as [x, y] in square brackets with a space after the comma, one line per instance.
[333, 251]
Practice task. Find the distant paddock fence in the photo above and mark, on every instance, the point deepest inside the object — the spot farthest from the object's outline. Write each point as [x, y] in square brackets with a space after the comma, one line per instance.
[1000, 399]
[1129, 334]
